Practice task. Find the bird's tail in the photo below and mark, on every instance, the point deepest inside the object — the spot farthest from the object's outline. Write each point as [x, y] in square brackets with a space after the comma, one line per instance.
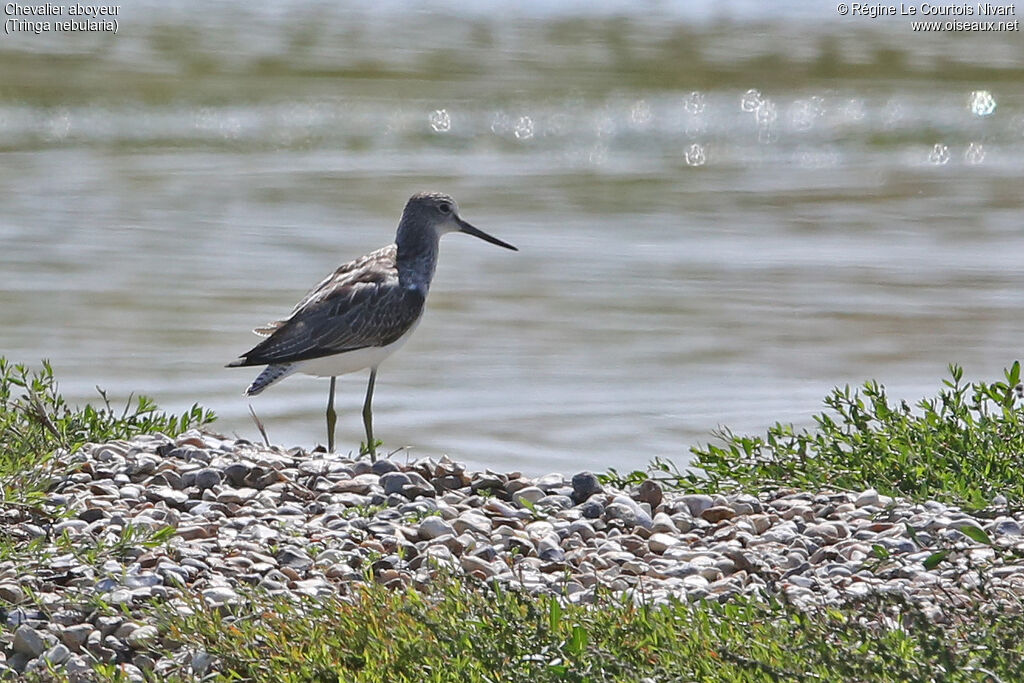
[270, 375]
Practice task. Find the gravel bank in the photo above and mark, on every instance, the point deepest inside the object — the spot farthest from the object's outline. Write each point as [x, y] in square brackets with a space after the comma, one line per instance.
[292, 521]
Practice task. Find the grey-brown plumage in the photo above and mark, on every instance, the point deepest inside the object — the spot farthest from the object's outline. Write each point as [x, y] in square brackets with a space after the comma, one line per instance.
[363, 311]
[361, 304]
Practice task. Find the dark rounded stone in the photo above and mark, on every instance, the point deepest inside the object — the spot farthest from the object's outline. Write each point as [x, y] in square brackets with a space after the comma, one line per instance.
[584, 485]
[392, 482]
[236, 473]
[382, 467]
[386, 562]
[414, 491]
[489, 481]
[91, 515]
[208, 477]
[294, 558]
[592, 509]
[552, 554]
[448, 482]
[361, 467]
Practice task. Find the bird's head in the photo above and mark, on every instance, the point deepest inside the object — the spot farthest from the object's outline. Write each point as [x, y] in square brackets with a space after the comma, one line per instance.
[439, 213]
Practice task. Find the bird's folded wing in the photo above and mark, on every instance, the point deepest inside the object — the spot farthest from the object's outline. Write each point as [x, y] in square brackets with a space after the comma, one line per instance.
[373, 267]
[346, 318]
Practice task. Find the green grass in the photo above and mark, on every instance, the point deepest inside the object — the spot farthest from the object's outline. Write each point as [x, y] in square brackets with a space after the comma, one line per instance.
[963, 446]
[454, 631]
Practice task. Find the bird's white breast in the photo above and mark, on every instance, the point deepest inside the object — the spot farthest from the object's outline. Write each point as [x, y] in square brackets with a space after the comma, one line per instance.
[353, 361]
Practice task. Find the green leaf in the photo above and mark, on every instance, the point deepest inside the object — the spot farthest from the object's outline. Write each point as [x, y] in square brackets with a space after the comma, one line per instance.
[934, 559]
[578, 642]
[880, 552]
[554, 614]
[976, 534]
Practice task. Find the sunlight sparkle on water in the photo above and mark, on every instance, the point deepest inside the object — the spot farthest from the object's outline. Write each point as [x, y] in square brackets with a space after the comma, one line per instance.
[640, 114]
[939, 154]
[974, 154]
[751, 100]
[694, 102]
[440, 121]
[524, 128]
[982, 103]
[695, 155]
[500, 123]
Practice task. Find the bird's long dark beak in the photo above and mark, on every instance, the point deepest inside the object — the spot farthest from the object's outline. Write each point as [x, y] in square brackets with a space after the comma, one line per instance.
[470, 230]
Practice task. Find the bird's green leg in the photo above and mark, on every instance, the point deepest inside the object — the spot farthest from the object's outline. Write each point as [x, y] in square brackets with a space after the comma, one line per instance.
[332, 418]
[371, 447]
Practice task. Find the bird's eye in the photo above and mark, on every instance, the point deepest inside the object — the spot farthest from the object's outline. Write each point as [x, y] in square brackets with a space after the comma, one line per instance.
[444, 207]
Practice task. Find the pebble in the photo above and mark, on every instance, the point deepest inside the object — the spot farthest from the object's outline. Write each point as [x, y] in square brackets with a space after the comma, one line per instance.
[207, 478]
[660, 542]
[472, 523]
[434, 527]
[237, 473]
[28, 642]
[663, 523]
[866, 498]
[1002, 526]
[383, 466]
[584, 485]
[236, 496]
[219, 595]
[76, 636]
[58, 654]
[697, 503]
[717, 513]
[531, 494]
[592, 509]
[650, 492]
[392, 482]
[760, 523]
[306, 524]
[294, 558]
[623, 513]
[11, 592]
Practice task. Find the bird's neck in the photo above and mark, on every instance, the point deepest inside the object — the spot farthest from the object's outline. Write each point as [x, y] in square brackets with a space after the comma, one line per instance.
[417, 258]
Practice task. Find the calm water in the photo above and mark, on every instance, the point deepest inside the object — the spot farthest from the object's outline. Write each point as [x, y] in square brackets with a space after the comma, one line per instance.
[692, 254]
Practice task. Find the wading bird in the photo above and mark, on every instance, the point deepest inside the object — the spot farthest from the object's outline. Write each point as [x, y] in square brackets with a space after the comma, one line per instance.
[362, 312]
